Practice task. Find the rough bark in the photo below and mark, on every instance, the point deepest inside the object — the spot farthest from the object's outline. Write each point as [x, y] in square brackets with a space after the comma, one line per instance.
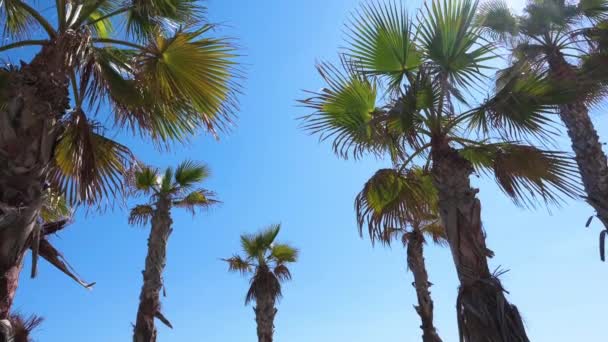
[265, 312]
[149, 299]
[591, 160]
[34, 99]
[415, 262]
[484, 314]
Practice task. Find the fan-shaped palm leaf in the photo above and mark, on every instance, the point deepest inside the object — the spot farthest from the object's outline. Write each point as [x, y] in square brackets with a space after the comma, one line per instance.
[238, 264]
[141, 214]
[197, 199]
[282, 253]
[189, 173]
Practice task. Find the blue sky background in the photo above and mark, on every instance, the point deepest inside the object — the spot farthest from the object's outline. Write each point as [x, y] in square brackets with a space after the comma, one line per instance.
[268, 170]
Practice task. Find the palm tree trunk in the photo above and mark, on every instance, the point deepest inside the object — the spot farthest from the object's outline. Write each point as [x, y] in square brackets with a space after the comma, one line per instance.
[484, 314]
[591, 160]
[149, 299]
[35, 97]
[264, 317]
[415, 262]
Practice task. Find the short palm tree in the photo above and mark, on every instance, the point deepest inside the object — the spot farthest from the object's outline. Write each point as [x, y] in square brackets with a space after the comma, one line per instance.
[171, 189]
[164, 77]
[549, 37]
[267, 262]
[425, 75]
[384, 206]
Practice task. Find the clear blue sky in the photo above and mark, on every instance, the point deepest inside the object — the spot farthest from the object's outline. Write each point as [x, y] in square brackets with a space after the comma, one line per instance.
[267, 170]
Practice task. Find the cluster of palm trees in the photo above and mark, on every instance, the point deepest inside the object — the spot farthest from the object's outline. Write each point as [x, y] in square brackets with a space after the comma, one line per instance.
[412, 89]
[408, 88]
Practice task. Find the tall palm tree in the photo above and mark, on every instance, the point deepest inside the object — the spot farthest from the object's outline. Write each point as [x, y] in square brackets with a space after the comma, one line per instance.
[424, 75]
[267, 261]
[166, 191]
[150, 78]
[549, 37]
[383, 205]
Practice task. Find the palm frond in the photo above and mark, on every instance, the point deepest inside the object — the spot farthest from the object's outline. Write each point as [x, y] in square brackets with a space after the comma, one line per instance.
[88, 166]
[256, 245]
[526, 174]
[394, 199]
[343, 112]
[146, 17]
[451, 41]
[196, 199]
[596, 10]
[166, 181]
[283, 253]
[435, 230]
[141, 214]
[146, 179]
[54, 207]
[239, 264]
[381, 42]
[189, 173]
[544, 17]
[497, 20]
[16, 21]
[282, 272]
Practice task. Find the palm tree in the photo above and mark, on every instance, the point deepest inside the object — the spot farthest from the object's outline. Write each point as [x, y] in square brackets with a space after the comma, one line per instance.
[424, 75]
[383, 205]
[171, 189]
[547, 38]
[267, 262]
[152, 79]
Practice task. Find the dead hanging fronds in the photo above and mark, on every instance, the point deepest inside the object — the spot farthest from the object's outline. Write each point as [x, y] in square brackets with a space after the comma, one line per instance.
[483, 310]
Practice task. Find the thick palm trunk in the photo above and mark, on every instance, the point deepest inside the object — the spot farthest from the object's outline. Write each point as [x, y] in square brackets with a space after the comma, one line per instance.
[484, 314]
[149, 299]
[264, 317]
[415, 262]
[35, 97]
[591, 160]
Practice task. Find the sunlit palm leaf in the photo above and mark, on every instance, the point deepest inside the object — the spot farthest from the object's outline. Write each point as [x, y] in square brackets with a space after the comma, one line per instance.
[188, 173]
[543, 17]
[381, 42]
[141, 214]
[343, 112]
[146, 16]
[54, 207]
[282, 253]
[200, 199]
[146, 179]
[89, 166]
[527, 174]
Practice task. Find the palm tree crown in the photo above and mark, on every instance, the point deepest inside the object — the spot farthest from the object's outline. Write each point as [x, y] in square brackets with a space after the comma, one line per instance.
[266, 260]
[151, 67]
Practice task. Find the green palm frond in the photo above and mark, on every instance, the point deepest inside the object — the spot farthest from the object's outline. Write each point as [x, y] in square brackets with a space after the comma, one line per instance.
[525, 173]
[146, 179]
[522, 106]
[193, 73]
[546, 16]
[282, 253]
[189, 173]
[201, 199]
[381, 42]
[497, 20]
[343, 112]
[238, 264]
[141, 214]
[145, 17]
[596, 10]
[16, 21]
[166, 181]
[451, 41]
[88, 166]
[394, 199]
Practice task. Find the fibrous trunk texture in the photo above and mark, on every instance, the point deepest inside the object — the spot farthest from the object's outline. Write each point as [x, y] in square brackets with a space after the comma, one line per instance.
[149, 299]
[591, 160]
[484, 314]
[264, 316]
[35, 97]
[415, 262]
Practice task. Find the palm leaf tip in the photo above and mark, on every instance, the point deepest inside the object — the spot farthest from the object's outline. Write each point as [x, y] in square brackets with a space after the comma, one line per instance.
[189, 173]
[238, 264]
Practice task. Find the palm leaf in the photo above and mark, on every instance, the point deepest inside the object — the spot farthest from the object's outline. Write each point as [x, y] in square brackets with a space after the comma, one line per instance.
[282, 272]
[596, 10]
[146, 179]
[141, 214]
[238, 264]
[283, 253]
[145, 17]
[16, 21]
[497, 20]
[381, 42]
[197, 199]
[527, 174]
[54, 207]
[189, 173]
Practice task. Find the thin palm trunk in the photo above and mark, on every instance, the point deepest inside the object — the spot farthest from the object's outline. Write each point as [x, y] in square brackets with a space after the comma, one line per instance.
[36, 96]
[265, 312]
[149, 299]
[591, 160]
[415, 262]
[484, 314]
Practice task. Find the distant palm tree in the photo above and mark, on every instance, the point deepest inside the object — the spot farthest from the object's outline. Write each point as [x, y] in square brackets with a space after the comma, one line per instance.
[171, 189]
[384, 206]
[163, 77]
[267, 261]
[549, 37]
[424, 76]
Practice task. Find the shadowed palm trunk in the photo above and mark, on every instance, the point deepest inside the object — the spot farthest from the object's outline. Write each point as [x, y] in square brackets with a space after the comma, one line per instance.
[484, 314]
[265, 312]
[149, 299]
[36, 97]
[415, 262]
[586, 145]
